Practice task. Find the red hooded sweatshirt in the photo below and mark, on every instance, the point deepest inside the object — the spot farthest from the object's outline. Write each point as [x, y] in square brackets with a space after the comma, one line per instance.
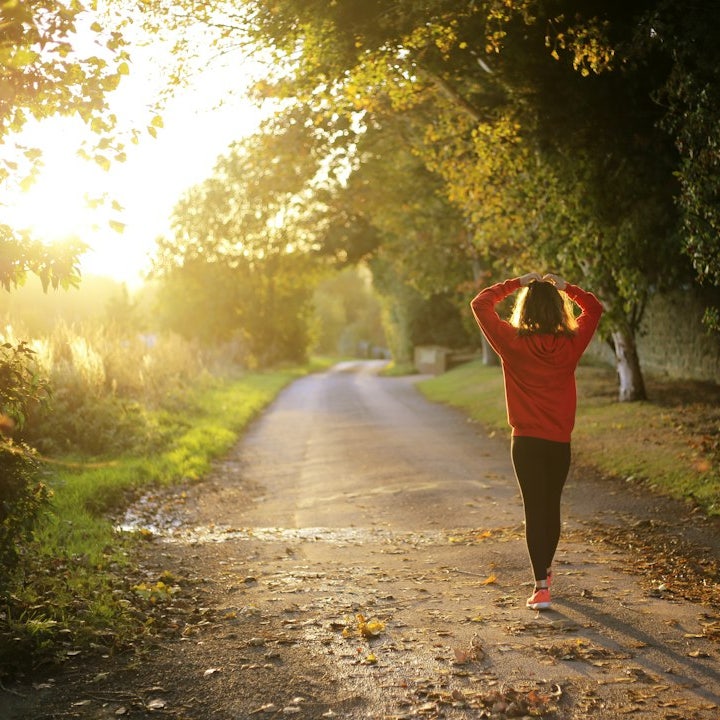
[539, 369]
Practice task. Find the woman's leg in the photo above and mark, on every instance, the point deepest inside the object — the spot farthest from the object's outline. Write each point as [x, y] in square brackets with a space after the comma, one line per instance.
[541, 468]
[557, 461]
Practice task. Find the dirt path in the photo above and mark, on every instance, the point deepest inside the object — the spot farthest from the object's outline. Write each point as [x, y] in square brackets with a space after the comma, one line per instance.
[360, 555]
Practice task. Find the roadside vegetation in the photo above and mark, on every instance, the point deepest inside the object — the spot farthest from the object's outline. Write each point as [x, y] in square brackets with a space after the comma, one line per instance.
[671, 441]
[105, 417]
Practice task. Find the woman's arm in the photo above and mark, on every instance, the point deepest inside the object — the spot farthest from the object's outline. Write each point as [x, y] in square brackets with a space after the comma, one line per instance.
[495, 329]
[589, 318]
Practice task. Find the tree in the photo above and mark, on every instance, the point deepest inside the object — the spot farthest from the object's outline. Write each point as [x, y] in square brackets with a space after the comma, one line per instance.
[514, 105]
[682, 36]
[346, 314]
[518, 102]
[241, 260]
[420, 254]
[47, 69]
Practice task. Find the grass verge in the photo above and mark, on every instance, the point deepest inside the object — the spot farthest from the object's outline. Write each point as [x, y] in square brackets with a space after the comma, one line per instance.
[71, 594]
[672, 442]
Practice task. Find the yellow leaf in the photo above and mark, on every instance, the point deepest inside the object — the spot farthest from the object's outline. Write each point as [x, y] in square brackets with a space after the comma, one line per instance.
[371, 659]
[123, 69]
[489, 580]
[371, 628]
[102, 161]
[157, 122]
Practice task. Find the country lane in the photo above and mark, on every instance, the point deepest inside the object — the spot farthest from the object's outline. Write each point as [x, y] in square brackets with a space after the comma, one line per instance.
[360, 554]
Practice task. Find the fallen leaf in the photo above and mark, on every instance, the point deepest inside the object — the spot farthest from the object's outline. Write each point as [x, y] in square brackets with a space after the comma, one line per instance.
[267, 707]
[462, 657]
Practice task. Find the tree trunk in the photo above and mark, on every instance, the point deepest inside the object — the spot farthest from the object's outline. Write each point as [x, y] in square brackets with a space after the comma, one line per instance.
[632, 385]
[489, 356]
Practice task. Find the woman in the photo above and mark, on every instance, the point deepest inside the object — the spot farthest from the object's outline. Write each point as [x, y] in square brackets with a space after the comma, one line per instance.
[540, 349]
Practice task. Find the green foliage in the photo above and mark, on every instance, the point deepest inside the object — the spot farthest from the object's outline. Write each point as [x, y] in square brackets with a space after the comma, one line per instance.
[45, 71]
[513, 105]
[21, 384]
[682, 37]
[414, 241]
[55, 265]
[55, 59]
[411, 319]
[23, 497]
[346, 317]
[240, 265]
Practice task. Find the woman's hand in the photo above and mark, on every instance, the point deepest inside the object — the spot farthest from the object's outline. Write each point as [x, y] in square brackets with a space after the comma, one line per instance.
[530, 277]
[556, 280]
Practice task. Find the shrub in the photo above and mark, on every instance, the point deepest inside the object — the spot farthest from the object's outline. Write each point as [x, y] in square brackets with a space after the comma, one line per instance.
[22, 495]
[108, 386]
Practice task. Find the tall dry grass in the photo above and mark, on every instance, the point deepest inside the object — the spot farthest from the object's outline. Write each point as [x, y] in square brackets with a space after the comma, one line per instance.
[109, 387]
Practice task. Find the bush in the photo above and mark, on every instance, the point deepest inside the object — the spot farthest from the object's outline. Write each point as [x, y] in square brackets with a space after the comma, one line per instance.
[21, 387]
[23, 496]
[107, 388]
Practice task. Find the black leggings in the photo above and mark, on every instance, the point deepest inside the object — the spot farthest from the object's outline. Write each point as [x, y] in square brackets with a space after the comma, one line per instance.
[541, 468]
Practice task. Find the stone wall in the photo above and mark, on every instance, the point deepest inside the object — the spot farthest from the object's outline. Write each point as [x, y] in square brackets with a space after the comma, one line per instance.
[674, 341]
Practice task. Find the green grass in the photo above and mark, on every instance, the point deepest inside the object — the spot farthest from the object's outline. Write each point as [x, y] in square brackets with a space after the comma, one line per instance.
[643, 440]
[475, 388]
[207, 428]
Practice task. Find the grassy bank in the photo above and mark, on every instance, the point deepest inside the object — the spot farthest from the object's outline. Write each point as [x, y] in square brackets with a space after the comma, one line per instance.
[671, 441]
[71, 593]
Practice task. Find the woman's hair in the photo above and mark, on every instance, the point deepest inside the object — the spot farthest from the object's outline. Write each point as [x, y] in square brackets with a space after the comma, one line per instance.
[542, 308]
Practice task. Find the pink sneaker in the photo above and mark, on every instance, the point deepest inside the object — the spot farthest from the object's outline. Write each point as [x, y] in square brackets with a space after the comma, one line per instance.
[540, 600]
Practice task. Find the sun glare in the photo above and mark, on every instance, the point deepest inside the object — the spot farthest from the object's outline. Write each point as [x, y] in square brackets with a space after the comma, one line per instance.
[140, 193]
[61, 204]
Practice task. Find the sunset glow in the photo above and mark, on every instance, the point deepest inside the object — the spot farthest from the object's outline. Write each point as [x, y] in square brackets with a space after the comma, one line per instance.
[137, 195]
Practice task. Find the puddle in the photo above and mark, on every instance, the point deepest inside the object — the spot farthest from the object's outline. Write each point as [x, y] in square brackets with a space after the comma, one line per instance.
[174, 533]
[165, 518]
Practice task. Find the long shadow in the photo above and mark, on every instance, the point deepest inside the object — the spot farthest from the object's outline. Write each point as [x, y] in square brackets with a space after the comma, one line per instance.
[695, 676]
